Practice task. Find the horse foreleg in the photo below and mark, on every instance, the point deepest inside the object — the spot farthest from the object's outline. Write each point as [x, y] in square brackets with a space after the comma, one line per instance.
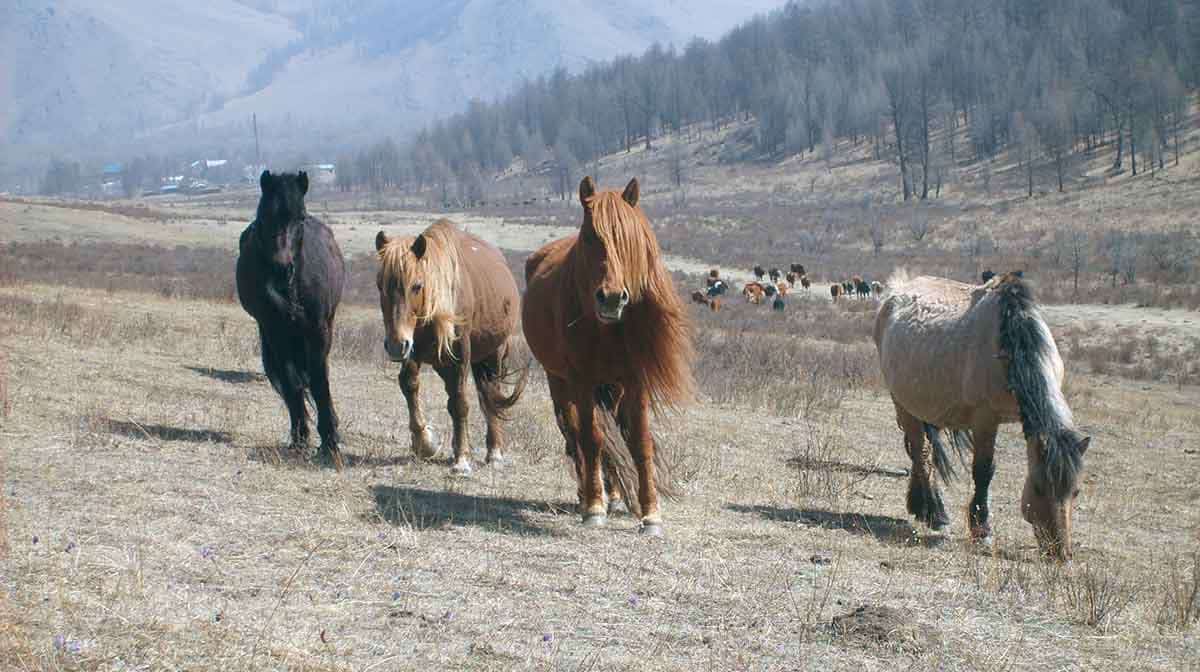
[423, 444]
[982, 469]
[641, 447]
[590, 439]
[317, 355]
[924, 496]
[277, 364]
[455, 378]
[567, 417]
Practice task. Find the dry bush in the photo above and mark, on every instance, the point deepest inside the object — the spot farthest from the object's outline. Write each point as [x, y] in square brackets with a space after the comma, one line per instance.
[1179, 593]
[1098, 593]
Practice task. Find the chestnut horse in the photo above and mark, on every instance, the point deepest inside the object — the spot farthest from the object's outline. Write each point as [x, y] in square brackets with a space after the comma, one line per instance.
[449, 300]
[603, 317]
[290, 274]
[967, 359]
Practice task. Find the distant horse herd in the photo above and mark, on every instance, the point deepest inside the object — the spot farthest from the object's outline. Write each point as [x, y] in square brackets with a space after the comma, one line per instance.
[601, 315]
[772, 286]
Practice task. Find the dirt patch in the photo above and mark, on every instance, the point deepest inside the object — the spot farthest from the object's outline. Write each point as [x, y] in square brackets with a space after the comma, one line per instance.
[877, 625]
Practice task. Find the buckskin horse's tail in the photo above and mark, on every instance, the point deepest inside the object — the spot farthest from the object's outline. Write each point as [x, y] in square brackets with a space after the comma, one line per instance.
[490, 384]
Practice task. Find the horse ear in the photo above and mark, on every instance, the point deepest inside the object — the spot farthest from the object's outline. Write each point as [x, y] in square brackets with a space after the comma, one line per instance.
[631, 192]
[381, 240]
[302, 178]
[586, 189]
[264, 180]
[418, 246]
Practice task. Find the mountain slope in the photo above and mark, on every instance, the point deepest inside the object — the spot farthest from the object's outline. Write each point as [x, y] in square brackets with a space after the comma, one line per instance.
[87, 70]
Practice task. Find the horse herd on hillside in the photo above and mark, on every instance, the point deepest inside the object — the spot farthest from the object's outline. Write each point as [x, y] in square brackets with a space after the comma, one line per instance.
[601, 315]
[771, 287]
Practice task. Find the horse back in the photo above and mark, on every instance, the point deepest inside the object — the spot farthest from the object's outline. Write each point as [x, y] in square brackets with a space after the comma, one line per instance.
[489, 299]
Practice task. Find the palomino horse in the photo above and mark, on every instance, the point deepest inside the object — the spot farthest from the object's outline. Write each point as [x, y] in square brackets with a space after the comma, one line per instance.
[290, 274]
[967, 359]
[603, 318]
[450, 300]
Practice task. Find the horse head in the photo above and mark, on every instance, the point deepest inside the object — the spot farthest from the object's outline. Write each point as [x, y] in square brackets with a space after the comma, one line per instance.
[1051, 488]
[417, 282]
[615, 251]
[280, 206]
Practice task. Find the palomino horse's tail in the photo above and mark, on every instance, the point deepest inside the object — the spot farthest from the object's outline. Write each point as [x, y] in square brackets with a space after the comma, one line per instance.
[615, 449]
[495, 402]
[960, 440]
[1033, 378]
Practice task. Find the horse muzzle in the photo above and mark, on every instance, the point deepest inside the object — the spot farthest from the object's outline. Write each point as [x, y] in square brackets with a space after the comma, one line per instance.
[398, 350]
[611, 305]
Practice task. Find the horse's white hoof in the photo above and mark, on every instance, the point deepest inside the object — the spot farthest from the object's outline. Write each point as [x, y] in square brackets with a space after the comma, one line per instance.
[595, 520]
[651, 529]
[461, 469]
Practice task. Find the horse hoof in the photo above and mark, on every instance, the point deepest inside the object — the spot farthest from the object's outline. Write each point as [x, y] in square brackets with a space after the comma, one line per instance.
[461, 469]
[499, 461]
[651, 529]
[425, 444]
[595, 520]
[331, 455]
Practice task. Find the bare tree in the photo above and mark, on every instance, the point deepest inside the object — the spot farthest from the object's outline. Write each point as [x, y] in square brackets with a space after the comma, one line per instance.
[1072, 249]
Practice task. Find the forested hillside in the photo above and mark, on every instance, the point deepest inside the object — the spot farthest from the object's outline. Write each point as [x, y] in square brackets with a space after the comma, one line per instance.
[1042, 80]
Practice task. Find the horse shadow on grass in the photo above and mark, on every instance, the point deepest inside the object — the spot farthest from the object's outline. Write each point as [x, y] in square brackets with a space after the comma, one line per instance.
[885, 529]
[229, 375]
[420, 508]
[137, 430]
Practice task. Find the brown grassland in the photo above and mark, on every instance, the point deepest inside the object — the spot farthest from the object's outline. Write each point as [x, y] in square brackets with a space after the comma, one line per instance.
[154, 520]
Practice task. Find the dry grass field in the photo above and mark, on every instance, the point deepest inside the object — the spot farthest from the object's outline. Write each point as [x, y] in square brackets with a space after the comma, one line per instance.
[154, 520]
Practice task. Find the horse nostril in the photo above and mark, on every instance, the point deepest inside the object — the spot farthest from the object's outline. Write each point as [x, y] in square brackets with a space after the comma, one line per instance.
[600, 295]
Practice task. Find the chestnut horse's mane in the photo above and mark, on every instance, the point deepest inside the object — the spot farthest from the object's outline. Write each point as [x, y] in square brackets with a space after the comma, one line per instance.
[656, 332]
[436, 268]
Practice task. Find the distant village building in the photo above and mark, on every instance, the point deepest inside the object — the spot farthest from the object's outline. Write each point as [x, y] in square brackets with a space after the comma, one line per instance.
[324, 174]
[214, 171]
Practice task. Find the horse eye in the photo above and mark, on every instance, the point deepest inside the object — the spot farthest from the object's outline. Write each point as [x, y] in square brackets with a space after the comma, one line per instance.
[416, 288]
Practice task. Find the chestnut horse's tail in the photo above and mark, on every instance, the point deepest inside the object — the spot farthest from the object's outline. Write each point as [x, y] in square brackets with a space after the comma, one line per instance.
[490, 384]
[615, 449]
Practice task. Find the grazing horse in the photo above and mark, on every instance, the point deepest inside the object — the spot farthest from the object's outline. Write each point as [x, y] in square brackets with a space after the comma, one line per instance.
[290, 274]
[603, 317]
[759, 272]
[774, 274]
[754, 292]
[707, 298]
[798, 269]
[835, 290]
[805, 283]
[449, 300]
[967, 359]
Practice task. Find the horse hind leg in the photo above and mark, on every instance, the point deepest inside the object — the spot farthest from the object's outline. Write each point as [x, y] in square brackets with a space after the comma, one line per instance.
[487, 383]
[424, 444]
[925, 501]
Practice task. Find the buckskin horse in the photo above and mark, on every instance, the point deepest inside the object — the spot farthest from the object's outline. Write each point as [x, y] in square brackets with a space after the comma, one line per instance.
[449, 300]
[603, 317]
[966, 359]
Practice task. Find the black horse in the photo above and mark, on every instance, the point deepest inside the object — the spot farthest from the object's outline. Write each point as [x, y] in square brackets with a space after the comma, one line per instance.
[290, 274]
